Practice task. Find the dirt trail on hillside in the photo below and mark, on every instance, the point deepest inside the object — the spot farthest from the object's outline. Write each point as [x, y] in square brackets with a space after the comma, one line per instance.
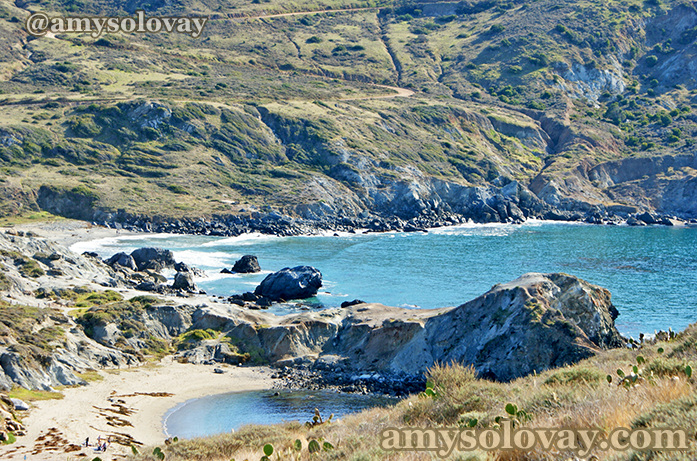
[300, 13]
[399, 92]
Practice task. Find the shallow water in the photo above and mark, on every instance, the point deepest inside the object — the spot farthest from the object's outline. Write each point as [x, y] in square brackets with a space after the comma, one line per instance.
[221, 413]
[651, 271]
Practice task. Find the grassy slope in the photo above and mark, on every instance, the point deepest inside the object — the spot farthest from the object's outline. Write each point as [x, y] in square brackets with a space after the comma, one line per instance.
[312, 73]
[573, 397]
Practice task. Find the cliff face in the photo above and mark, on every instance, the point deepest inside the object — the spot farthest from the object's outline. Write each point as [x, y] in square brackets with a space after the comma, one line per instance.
[531, 324]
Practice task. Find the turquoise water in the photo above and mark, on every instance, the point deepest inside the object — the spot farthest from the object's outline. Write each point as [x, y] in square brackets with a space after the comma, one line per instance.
[651, 271]
[222, 413]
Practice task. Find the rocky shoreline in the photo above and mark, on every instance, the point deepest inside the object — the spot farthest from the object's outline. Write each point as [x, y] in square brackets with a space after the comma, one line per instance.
[274, 223]
[531, 324]
[512, 203]
[302, 377]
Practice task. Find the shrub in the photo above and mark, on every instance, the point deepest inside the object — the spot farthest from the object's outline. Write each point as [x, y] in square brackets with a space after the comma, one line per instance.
[575, 376]
[665, 367]
[496, 29]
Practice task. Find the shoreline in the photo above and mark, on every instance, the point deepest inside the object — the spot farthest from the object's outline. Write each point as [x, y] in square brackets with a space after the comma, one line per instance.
[71, 231]
[83, 411]
[122, 395]
[68, 232]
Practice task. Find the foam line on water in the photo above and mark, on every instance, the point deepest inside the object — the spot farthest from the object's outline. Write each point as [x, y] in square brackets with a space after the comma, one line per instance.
[252, 238]
[215, 259]
[101, 246]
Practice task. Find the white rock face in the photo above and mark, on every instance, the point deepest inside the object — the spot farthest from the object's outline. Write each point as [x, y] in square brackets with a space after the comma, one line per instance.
[589, 83]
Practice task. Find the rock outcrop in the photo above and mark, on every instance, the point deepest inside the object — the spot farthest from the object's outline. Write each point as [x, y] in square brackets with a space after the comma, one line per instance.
[184, 281]
[299, 282]
[123, 260]
[153, 258]
[536, 322]
[247, 264]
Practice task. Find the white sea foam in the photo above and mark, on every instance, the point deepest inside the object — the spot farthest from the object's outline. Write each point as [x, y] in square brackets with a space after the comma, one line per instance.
[215, 259]
[241, 240]
[109, 245]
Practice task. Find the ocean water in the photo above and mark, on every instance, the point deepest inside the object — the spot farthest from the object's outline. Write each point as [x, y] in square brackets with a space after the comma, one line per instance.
[650, 271]
[216, 414]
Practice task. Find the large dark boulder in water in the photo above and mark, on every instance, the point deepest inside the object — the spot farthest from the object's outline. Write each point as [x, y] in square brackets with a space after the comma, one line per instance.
[290, 283]
[247, 264]
[153, 258]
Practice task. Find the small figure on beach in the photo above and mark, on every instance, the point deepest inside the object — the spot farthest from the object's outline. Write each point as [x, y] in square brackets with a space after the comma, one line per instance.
[87, 442]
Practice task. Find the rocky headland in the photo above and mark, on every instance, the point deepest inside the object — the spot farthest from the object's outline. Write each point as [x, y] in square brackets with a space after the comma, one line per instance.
[98, 316]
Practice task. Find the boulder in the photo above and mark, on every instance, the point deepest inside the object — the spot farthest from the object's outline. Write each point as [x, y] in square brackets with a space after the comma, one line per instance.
[147, 286]
[153, 258]
[20, 405]
[346, 304]
[632, 221]
[247, 264]
[184, 281]
[182, 267]
[290, 283]
[123, 260]
[647, 217]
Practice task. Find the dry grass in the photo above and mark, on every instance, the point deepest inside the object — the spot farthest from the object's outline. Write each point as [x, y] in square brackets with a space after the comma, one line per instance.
[576, 396]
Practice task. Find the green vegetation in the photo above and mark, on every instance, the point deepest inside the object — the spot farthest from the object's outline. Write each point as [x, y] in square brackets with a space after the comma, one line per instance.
[127, 315]
[258, 110]
[18, 330]
[28, 267]
[90, 376]
[32, 396]
[191, 338]
[663, 394]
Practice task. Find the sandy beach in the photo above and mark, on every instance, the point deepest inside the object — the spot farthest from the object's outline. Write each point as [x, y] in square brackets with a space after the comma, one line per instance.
[68, 231]
[125, 403]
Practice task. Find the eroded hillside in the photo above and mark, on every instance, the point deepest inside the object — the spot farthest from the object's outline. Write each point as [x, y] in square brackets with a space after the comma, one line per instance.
[396, 108]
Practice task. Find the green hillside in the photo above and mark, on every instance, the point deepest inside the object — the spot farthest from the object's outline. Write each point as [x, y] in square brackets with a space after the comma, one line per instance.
[350, 109]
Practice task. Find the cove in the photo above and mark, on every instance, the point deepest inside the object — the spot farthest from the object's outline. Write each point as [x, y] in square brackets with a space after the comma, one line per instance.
[650, 271]
[216, 414]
